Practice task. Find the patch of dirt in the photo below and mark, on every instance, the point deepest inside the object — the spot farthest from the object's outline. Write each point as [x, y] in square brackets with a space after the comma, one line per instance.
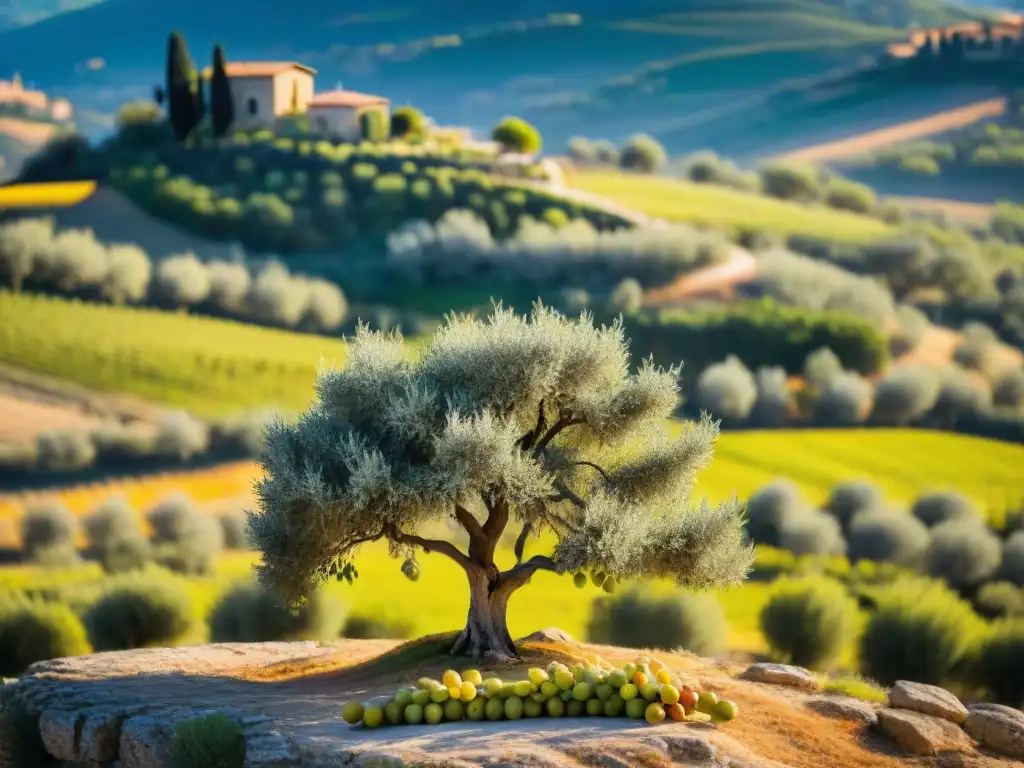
[901, 132]
[972, 213]
[936, 350]
[719, 281]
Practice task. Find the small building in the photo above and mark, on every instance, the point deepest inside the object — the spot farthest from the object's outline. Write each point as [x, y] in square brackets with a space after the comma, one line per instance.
[264, 91]
[15, 98]
[336, 113]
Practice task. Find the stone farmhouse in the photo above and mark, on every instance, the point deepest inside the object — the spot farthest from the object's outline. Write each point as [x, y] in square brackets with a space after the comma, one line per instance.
[16, 99]
[264, 92]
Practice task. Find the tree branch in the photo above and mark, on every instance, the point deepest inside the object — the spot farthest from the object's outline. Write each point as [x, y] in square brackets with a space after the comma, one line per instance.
[519, 574]
[564, 494]
[521, 541]
[592, 465]
[496, 520]
[526, 441]
[429, 545]
[552, 433]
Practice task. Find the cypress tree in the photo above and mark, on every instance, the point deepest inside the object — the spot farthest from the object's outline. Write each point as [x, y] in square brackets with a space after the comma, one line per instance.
[181, 95]
[222, 109]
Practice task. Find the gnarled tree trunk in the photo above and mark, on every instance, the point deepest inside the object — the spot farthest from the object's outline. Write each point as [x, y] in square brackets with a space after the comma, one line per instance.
[486, 632]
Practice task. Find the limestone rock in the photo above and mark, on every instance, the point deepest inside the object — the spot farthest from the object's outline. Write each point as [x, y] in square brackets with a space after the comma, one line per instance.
[928, 699]
[689, 749]
[57, 729]
[146, 742]
[843, 708]
[999, 728]
[100, 734]
[782, 674]
[922, 734]
[548, 635]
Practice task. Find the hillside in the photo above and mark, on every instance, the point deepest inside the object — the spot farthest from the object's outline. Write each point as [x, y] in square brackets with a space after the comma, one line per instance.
[618, 69]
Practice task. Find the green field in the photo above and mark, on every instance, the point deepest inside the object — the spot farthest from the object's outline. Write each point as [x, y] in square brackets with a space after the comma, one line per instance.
[728, 209]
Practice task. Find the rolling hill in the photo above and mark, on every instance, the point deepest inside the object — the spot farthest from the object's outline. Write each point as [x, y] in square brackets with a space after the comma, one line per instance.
[585, 66]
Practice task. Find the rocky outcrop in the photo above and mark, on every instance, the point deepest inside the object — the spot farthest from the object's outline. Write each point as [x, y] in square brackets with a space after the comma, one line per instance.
[999, 728]
[548, 635]
[922, 734]
[782, 674]
[927, 699]
[843, 708]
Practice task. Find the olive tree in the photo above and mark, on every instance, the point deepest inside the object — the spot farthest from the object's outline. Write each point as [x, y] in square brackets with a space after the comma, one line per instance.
[530, 421]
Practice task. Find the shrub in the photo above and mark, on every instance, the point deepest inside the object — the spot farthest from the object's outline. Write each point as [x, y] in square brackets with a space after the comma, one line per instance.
[517, 135]
[812, 533]
[847, 195]
[31, 632]
[407, 122]
[374, 125]
[23, 245]
[1012, 567]
[959, 397]
[905, 395]
[693, 621]
[919, 631]
[606, 152]
[808, 621]
[789, 182]
[962, 552]
[277, 298]
[912, 325]
[186, 540]
[250, 613]
[229, 285]
[75, 260]
[627, 297]
[61, 450]
[210, 741]
[849, 499]
[47, 528]
[998, 663]
[727, 390]
[905, 263]
[773, 403]
[642, 153]
[943, 506]
[115, 536]
[975, 349]
[770, 508]
[181, 437]
[844, 402]
[139, 613]
[182, 280]
[1000, 600]
[234, 525]
[327, 306]
[373, 628]
[887, 537]
[581, 149]
[821, 367]
[129, 271]
[1008, 390]
[242, 434]
[122, 442]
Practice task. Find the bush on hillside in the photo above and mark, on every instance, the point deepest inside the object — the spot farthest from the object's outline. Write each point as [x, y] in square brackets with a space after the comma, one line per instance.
[727, 390]
[919, 632]
[642, 153]
[912, 325]
[959, 398]
[129, 272]
[801, 281]
[23, 244]
[48, 531]
[906, 263]
[139, 613]
[242, 434]
[606, 152]
[1008, 390]
[61, 450]
[705, 167]
[181, 281]
[1000, 600]
[117, 443]
[116, 538]
[790, 182]
[813, 533]
[846, 195]
[208, 741]
[998, 663]
[277, 298]
[517, 135]
[234, 526]
[1007, 222]
[820, 368]
[939, 507]
[250, 613]
[905, 395]
[581, 149]
[374, 125]
[33, 631]
[407, 122]
[963, 553]
[327, 306]
[847, 500]
[75, 260]
[359, 627]
[845, 401]
[774, 402]
[976, 348]
[887, 537]
[770, 509]
[626, 298]
[185, 540]
[181, 437]
[1012, 566]
[808, 621]
[229, 285]
[692, 621]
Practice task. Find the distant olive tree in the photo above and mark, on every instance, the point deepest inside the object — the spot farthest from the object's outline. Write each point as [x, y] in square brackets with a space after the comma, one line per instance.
[774, 401]
[23, 244]
[229, 285]
[905, 395]
[507, 419]
[517, 135]
[727, 389]
[844, 402]
[642, 153]
[129, 271]
[182, 280]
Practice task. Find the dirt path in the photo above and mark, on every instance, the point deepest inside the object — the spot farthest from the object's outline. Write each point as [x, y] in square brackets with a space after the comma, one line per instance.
[901, 132]
[973, 213]
[720, 279]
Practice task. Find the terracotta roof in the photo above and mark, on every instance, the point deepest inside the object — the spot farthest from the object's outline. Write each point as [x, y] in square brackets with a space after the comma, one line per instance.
[260, 68]
[349, 99]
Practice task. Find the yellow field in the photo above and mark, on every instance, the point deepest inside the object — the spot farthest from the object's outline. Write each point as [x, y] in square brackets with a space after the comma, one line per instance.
[46, 195]
[720, 207]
